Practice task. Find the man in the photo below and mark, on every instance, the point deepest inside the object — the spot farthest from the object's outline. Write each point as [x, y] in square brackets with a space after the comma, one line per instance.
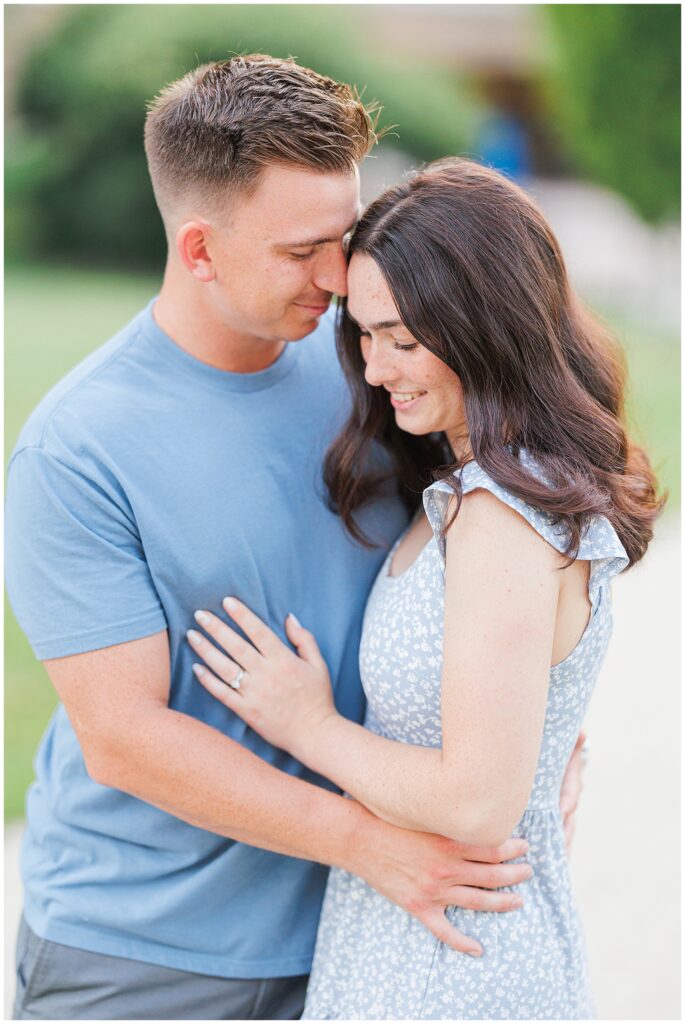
[174, 863]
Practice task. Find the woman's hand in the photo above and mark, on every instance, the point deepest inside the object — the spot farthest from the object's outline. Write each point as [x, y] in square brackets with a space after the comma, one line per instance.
[283, 695]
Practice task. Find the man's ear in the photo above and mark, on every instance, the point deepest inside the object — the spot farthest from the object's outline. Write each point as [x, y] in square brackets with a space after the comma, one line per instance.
[191, 245]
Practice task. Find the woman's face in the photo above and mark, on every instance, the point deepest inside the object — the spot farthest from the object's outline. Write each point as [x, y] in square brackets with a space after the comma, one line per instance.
[424, 392]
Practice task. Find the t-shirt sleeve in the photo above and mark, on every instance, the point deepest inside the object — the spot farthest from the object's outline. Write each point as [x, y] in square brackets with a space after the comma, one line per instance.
[77, 577]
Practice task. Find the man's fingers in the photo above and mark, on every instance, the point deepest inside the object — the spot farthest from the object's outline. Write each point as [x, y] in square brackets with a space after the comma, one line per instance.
[489, 876]
[567, 803]
[436, 922]
[480, 899]
[493, 854]
[513, 848]
[572, 782]
[571, 787]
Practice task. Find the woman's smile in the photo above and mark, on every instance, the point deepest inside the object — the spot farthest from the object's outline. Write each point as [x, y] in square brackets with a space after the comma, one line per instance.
[406, 400]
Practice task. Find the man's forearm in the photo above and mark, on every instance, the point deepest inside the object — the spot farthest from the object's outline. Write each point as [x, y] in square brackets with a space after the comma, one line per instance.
[192, 771]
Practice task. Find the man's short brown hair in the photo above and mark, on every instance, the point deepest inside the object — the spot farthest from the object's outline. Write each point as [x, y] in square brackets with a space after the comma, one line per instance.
[216, 128]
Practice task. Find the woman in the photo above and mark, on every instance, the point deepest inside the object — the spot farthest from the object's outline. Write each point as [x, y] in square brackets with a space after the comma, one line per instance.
[471, 362]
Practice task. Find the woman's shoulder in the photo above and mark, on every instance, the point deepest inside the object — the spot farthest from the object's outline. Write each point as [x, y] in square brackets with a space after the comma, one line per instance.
[598, 540]
[480, 487]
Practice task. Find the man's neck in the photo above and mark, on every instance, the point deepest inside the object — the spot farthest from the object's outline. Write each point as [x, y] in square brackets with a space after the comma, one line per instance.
[192, 325]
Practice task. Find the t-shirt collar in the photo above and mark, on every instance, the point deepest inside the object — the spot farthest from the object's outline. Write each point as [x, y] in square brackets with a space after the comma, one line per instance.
[228, 380]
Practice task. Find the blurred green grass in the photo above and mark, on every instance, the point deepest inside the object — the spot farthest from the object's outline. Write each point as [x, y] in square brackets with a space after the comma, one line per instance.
[56, 316]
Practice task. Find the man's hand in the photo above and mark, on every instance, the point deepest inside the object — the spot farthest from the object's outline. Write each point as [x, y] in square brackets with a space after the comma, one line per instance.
[571, 788]
[424, 874]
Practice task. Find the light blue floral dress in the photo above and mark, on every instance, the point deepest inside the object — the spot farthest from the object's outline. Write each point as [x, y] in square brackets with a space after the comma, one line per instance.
[373, 960]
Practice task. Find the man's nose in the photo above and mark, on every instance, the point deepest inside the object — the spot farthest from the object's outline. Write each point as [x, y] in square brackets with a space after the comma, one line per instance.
[330, 273]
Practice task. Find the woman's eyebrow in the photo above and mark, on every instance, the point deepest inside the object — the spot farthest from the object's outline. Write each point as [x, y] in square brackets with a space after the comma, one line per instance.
[382, 325]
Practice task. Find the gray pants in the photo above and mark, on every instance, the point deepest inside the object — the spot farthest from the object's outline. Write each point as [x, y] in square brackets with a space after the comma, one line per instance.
[56, 982]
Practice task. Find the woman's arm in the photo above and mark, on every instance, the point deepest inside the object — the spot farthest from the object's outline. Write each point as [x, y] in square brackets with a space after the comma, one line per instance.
[502, 585]
[501, 590]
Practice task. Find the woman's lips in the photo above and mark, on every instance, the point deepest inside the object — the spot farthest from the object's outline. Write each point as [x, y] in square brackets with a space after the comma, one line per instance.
[397, 403]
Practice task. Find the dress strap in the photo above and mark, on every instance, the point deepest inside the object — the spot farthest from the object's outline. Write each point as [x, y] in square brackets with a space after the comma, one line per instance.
[599, 542]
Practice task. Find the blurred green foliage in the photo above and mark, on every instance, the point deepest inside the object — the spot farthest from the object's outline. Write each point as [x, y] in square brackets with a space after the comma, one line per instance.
[55, 317]
[615, 98]
[77, 182]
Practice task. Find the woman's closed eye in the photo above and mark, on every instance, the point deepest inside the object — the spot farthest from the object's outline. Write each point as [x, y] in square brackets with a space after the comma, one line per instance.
[397, 345]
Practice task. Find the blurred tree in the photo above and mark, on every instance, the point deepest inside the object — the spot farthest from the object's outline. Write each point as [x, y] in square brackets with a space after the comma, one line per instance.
[615, 98]
[77, 183]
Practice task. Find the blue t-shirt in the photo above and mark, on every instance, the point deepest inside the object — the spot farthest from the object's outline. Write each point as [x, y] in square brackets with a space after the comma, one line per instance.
[144, 486]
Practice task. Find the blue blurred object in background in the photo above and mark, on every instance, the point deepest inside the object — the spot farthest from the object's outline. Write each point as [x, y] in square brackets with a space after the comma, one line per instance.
[502, 143]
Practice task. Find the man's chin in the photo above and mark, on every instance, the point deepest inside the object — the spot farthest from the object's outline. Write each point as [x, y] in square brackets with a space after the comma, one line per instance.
[295, 332]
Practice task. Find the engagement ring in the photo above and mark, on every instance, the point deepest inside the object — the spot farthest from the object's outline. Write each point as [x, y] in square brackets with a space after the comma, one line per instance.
[235, 683]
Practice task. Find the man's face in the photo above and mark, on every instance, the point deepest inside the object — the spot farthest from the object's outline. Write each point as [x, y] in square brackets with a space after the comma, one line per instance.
[279, 254]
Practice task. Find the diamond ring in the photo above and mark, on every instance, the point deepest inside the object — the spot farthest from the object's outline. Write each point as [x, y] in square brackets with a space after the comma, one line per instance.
[235, 683]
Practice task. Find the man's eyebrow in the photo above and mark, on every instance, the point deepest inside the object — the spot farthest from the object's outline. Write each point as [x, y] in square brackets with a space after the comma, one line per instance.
[303, 243]
[382, 325]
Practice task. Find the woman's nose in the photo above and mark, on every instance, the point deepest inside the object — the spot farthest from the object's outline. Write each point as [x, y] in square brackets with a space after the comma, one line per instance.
[379, 369]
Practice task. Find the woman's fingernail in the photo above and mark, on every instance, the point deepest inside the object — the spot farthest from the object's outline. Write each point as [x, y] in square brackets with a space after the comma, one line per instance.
[475, 951]
[294, 618]
[230, 604]
[194, 637]
[199, 670]
[528, 873]
[516, 902]
[202, 618]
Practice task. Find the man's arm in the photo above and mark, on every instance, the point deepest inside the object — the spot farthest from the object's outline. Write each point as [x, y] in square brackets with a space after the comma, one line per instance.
[117, 701]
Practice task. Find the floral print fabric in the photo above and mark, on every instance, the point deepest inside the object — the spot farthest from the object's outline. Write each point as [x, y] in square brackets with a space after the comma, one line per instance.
[373, 960]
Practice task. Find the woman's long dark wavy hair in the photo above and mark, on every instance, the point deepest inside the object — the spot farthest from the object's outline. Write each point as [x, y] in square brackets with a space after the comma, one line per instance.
[478, 279]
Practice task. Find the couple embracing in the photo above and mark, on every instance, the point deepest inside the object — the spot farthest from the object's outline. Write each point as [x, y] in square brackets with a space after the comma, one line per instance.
[308, 610]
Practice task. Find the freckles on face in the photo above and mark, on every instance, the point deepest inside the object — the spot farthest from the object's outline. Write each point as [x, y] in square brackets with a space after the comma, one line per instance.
[369, 299]
[424, 392]
[280, 257]
[442, 407]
